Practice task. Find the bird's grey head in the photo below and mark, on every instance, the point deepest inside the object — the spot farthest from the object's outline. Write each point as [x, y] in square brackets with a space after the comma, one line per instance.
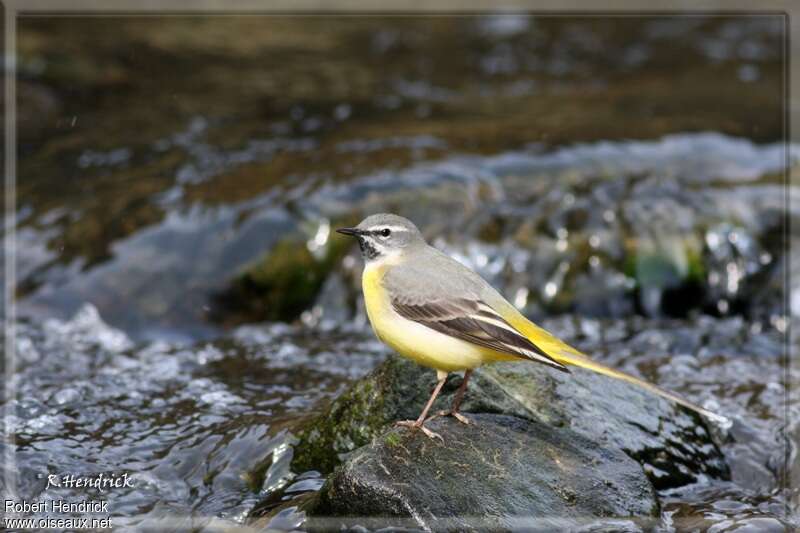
[384, 234]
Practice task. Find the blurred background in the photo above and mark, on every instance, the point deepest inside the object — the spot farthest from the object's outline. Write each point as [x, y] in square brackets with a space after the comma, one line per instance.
[184, 301]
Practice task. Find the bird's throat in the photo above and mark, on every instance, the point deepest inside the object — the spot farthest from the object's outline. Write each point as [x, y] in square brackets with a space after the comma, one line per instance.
[368, 250]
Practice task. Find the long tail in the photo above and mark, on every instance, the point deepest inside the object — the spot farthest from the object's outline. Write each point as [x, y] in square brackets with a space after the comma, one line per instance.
[584, 362]
[567, 355]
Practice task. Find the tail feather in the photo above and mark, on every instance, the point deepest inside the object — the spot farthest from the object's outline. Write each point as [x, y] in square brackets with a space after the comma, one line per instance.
[584, 362]
[567, 355]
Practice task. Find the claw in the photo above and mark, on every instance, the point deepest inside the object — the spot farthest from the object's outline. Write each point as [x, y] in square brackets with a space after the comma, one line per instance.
[455, 414]
[461, 418]
[414, 424]
[431, 434]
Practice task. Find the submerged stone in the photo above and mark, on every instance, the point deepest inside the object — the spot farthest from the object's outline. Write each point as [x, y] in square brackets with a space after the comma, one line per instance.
[281, 285]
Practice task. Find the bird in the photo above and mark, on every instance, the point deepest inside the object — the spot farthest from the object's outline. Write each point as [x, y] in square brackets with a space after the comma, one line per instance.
[436, 311]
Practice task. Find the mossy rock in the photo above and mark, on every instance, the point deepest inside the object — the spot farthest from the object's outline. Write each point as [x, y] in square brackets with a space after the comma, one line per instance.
[672, 444]
[499, 473]
[665, 262]
[354, 418]
[669, 273]
[281, 285]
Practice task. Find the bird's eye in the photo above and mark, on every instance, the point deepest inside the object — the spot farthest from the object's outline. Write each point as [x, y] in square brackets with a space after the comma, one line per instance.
[386, 232]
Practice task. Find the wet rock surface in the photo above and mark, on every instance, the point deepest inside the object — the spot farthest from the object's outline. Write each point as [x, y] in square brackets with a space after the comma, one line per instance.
[673, 445]
[499, 472]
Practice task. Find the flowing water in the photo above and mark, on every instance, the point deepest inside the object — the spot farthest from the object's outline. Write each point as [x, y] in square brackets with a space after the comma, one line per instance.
[620, 179]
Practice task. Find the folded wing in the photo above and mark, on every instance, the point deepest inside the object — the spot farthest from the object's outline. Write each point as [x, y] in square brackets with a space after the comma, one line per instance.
[476, 322]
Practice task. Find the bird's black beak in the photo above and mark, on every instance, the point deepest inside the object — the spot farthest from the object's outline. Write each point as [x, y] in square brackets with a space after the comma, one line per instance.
[350, 231]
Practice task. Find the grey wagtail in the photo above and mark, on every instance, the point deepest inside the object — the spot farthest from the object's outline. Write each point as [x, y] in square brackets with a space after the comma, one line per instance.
[436, 311]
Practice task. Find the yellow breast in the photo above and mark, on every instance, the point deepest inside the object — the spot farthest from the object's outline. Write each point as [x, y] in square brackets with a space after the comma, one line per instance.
[376, 298]
[413, 340]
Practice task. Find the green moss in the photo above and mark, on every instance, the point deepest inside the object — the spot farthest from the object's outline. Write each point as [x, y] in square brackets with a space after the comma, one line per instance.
[697, 269]
[397, 389]
[281, 285]
[287, 279]
[352, 421]
[665, 262]
[392, 439]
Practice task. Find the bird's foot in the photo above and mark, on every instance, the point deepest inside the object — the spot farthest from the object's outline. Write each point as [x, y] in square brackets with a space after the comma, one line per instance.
[455, 414]
[416, 424]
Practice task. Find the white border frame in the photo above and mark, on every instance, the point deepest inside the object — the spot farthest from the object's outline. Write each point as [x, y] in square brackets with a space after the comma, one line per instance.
[15, 8]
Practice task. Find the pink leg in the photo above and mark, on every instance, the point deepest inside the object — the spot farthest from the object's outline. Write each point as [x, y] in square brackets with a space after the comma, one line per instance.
[418, 423]
[457, 401]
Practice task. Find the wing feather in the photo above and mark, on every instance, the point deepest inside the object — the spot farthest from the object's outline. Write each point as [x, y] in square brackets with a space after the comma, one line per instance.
[476, 322]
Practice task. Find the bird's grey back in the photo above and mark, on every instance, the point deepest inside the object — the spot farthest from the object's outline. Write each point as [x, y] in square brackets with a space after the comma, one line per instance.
[430, 275]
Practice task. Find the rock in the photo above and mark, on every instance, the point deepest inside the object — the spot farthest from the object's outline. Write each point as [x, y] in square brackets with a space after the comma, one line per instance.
[547, 450]
[672, 444]
[501, 472]
[281, 285]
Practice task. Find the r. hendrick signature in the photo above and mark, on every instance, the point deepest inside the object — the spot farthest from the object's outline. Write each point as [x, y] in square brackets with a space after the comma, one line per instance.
[99, 482]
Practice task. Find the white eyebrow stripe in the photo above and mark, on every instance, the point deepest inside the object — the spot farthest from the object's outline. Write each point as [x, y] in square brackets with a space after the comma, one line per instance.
[390, 228]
